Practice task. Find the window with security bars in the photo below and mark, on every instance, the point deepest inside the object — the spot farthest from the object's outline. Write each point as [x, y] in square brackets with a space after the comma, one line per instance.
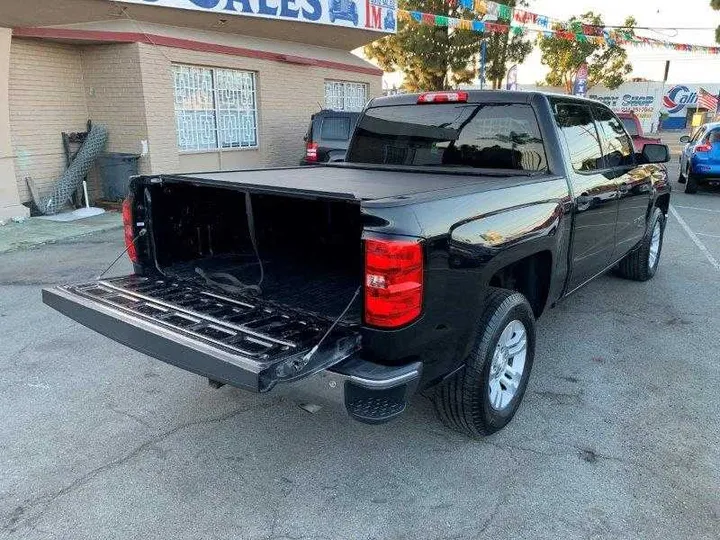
[345, 96]
[215, 108]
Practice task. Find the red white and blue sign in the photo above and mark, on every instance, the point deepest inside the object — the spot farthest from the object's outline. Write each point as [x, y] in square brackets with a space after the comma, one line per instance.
[378, 15]
[381, 15]
[679, 97]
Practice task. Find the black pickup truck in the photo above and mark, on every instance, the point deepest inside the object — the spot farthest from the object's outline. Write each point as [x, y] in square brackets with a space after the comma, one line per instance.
[422, 262]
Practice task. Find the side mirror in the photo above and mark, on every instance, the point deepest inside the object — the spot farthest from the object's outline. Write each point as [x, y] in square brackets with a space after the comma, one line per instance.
[655, 153]
[685, 139]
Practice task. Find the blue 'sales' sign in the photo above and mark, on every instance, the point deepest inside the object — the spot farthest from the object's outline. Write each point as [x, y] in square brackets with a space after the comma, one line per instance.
[376, 15]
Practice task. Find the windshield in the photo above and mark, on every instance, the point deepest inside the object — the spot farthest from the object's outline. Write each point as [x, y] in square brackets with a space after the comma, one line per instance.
[489, 136]
[630, 126]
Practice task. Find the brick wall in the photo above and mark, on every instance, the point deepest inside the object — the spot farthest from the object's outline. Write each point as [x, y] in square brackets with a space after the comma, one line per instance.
[46, 96]
[159, 103]
[114, 93]
[287, 95]
[129, 88]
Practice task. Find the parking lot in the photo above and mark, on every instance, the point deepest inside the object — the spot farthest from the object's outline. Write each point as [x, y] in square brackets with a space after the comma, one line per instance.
[618, 437]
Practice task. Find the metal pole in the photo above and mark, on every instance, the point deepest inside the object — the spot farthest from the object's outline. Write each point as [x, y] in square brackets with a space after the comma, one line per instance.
[483, 58]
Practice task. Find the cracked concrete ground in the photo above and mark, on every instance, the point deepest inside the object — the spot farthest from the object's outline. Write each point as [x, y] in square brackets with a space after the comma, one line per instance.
[619, 435]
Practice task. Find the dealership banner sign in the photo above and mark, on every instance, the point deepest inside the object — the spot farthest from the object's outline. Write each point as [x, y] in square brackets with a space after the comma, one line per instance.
[643, 105]
[378, 15]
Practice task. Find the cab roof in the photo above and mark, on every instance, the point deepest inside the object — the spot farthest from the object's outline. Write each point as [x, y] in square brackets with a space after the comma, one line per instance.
[479, 96]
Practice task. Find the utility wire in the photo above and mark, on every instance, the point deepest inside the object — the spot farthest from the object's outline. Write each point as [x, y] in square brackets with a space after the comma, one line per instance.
[650, 27]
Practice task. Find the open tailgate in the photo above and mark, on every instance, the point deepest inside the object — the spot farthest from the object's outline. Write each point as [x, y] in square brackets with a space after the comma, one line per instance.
[238, 340]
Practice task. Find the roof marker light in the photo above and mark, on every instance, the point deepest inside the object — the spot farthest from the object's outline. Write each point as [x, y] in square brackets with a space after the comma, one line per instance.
[443, 97]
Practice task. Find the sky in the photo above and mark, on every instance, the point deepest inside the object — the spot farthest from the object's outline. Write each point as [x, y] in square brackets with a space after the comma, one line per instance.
[647, 63]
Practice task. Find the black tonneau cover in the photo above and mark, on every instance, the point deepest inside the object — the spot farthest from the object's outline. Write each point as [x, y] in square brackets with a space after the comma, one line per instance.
[346, 182]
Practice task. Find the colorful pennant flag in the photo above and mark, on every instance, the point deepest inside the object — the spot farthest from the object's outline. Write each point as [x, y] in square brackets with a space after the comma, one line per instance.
[502, 18]
[481, 7]
[504, 12]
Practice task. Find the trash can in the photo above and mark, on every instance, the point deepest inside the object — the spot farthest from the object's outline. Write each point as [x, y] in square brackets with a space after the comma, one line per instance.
[115, 171]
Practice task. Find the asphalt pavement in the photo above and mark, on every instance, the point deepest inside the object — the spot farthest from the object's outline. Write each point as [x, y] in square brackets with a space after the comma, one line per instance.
[618, 436]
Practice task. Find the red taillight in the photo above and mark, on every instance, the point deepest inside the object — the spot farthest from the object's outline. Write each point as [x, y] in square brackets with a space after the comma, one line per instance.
[311, 151]
[443, 97]
[703, 147]
[127, 218]
[393, 282]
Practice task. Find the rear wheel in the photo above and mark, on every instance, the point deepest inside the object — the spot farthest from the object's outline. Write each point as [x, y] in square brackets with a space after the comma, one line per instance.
[484, 396]
[691, 184]
[641, 264]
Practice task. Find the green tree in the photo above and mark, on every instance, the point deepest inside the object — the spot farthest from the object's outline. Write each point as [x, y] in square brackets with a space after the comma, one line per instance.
[607, 64]
[715, 4]
[503, 50]
[438, 57]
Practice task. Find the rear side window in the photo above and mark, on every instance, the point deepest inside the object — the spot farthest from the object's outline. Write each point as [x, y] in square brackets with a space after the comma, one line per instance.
[698, 133]
[713, 137]
[489, 136]
[335, 128]
[617, 146]
[576, 124]
[630, 126]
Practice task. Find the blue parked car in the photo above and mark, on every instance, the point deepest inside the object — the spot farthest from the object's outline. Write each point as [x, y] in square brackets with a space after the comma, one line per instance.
[700, 160]
[345, 10]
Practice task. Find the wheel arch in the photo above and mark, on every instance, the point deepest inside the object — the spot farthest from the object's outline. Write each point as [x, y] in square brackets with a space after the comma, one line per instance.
[530, 275]
[663, 203]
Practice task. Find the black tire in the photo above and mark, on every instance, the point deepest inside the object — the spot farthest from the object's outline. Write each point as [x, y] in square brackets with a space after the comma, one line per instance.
[636, 264]
[690, 184]
[463, 401]
[681, 177]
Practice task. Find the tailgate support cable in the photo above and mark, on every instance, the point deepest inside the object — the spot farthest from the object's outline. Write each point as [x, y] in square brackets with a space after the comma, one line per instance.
[311, 353]
[142, 232]
[251, 231]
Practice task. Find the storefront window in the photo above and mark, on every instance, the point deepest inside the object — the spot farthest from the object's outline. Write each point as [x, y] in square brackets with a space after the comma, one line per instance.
[215, 108]
[345, 96]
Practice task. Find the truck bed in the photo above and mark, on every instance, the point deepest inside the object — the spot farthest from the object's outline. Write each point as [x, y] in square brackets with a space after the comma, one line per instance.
[354, 182]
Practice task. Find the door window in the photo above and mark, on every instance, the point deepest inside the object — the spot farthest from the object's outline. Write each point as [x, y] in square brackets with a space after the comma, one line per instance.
[576, 124]
[696, 136]
[713, 137]
[617, 146]
[630, 126]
